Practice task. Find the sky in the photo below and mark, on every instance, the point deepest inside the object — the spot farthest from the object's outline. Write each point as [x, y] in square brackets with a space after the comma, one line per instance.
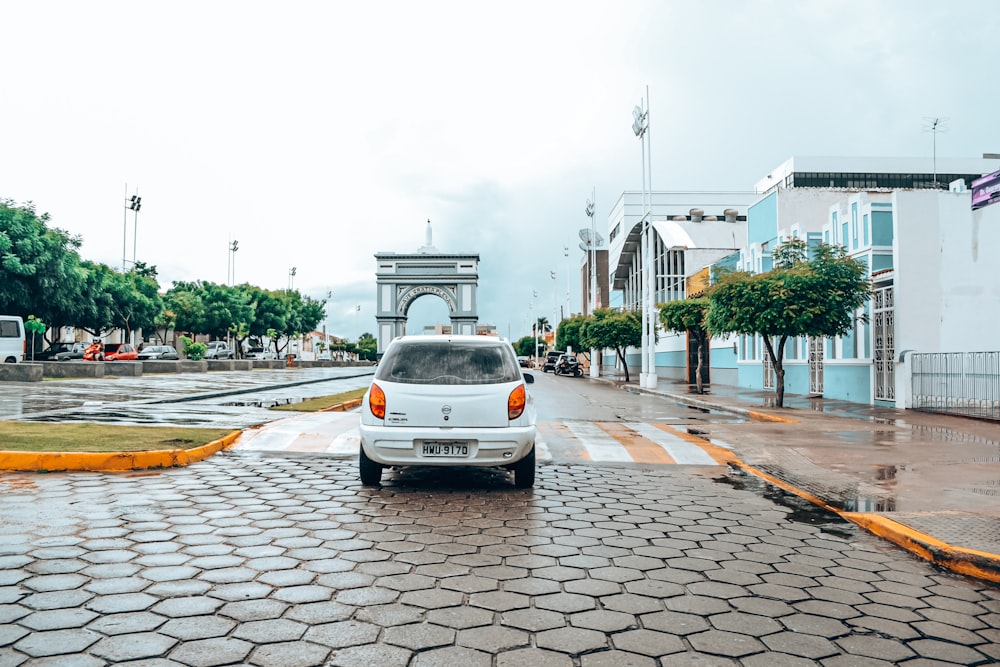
[316, 134]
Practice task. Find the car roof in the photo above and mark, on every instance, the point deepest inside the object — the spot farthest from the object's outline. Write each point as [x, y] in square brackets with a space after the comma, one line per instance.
[456, 338]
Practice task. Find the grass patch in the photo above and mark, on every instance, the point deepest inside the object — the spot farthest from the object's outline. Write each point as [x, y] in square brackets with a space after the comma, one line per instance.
[36, 437]
[322, 402]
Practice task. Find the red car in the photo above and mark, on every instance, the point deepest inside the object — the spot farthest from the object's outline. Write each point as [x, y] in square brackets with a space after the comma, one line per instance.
[110, 352]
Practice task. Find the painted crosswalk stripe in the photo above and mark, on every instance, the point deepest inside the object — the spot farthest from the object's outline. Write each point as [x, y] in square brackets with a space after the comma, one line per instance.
[680, 450]
[598, 444]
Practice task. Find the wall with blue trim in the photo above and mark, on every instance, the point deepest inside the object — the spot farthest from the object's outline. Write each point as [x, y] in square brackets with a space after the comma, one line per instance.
[843, 381]
[762, 218]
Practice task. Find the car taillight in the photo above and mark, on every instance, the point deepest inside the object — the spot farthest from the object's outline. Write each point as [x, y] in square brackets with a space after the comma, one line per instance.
[516, 402]
[376, 401]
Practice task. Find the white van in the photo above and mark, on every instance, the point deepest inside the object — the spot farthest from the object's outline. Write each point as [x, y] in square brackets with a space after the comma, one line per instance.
[11, 339]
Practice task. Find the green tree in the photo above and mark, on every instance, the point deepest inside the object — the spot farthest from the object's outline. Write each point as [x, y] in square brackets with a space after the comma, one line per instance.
[135, 299]
[40, 269]
[688, 316]
[611, 329]
[568, 334]
[798, 297]
[525, 346]
[367, 347]
[35, 326]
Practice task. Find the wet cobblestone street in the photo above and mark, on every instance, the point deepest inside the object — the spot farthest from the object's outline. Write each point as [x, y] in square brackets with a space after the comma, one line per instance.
[287, 560]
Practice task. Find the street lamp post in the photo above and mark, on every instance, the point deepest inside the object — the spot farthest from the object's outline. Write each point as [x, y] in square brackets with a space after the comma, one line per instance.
[291, 278]
[131, 204]
[231, 270]
[595, 362]
[640, 126]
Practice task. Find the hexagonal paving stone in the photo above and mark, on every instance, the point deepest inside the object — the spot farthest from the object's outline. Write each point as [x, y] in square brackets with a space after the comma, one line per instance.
[533, 620]
[648, 642]
[731, 644]
[54, 582]
[419, 636]
[565, 602]
[460, 617]
[452, 655]
[572, 641]
[499, 600]
[368, 654]
[604, 620]
[133, 646]
[296, 654]
[271, 631]
[198, 627]
[342, 634]
[208, 652]
[187, 606]
[56, 619]
[388, 615]
[125, 602]
[120, 624]
[533, 657]
[319, 612]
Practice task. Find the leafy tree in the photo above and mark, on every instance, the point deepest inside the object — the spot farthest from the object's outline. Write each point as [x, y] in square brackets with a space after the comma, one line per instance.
[367, 347]
[35, 326]
[799, 297]
[540, 326]
[525, 346]
[40, 269]
[568, 334]
[185, 300]
[611, 329]
[688, 315]
[135, 299]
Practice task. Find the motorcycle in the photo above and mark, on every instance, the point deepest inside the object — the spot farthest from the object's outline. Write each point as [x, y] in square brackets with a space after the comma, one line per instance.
[568, 366]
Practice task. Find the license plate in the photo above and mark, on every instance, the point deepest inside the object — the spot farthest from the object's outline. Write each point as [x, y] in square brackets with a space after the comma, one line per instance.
[446, 448]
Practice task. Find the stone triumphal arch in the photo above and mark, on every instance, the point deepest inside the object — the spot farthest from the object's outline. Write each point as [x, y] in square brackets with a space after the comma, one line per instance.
[402, 278]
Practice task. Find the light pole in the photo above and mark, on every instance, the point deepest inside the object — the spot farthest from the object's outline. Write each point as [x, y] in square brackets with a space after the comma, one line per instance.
[231, 269]
[131, 204]
[595, 362]
[555, 308]
[568, 273]
[291, 278]
[534, 320]
[640, 126]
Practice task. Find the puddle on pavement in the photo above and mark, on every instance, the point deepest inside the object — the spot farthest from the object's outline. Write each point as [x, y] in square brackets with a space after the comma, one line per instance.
[801, 510]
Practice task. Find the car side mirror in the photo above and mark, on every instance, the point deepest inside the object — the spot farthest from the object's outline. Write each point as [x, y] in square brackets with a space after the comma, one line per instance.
[528, 378]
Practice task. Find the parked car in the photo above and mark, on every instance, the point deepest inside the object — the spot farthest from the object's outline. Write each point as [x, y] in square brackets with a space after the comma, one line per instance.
[524, 362]
[74, 353]
[448, 401]
[52, 351]
[259, 353]
[550, 360]
[218, 349]
[163, 352]
[12, 340]
[118, 352]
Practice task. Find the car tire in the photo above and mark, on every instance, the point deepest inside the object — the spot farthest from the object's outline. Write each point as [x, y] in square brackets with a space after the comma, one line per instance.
[524, 471]
[371, 471]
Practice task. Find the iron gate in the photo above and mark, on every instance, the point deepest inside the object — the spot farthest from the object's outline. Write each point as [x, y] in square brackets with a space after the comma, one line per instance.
[965, 383]
[885, 345]
[816, 366]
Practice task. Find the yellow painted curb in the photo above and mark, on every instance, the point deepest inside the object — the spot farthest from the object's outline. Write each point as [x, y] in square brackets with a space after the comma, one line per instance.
[765, 417]
[978, 564]
[112, 461]
[343, 407]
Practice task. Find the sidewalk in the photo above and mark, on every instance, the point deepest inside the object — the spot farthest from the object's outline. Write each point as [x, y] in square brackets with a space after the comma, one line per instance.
[929, 483]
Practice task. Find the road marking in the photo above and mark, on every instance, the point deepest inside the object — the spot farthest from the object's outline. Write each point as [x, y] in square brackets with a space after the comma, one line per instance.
[681, 450]
[557, 441]
[598, 444]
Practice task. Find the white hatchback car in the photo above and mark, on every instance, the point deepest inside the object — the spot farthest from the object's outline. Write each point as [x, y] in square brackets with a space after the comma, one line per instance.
[448, 401]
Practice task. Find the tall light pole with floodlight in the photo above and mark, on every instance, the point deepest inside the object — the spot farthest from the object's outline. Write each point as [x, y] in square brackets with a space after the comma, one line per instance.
[640, 126]
[231, 270]
[291, 278]
[595, 361]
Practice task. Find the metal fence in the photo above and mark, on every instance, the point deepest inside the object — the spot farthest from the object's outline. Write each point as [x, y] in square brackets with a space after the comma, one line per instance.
[963, 383]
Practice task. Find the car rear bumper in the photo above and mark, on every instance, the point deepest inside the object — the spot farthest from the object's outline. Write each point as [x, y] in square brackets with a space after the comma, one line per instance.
[486, 447]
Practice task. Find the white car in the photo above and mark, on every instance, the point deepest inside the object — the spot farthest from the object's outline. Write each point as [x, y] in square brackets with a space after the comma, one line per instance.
[448, 401]
[260, 353]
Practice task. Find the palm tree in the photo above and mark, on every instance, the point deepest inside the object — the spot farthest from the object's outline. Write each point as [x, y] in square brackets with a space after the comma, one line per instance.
[541, 326]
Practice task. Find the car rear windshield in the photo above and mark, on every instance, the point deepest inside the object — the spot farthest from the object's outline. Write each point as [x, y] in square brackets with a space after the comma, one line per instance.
[448, 363]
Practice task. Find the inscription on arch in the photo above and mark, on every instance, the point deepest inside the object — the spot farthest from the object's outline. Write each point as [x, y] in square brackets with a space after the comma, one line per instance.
[420, 290]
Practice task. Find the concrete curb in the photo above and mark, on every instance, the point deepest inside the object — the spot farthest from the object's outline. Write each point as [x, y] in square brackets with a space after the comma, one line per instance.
[344, 407]
[111, 461]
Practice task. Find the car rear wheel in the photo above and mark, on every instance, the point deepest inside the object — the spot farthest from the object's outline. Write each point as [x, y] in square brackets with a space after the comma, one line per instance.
[371, 472]
[524, 471]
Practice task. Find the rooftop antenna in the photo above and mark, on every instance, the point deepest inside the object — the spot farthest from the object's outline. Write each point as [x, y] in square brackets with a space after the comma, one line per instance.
[935, 124]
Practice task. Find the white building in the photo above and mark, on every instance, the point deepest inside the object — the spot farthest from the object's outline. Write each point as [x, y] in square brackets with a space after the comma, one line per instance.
[691, 230]
[929, 254]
